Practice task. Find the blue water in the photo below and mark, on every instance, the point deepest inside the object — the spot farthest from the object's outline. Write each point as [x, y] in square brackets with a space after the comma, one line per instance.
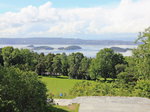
[87, 50]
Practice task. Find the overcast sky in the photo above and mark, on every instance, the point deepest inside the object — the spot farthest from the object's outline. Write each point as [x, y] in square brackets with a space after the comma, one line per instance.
[86, 19]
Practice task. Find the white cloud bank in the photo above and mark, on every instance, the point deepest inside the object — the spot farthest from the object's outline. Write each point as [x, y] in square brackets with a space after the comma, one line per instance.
[126, 17]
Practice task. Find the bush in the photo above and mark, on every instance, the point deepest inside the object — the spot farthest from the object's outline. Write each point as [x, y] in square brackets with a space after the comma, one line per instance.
[126, 79]
[142, 88]
[83, 88]
[93, 89]
[99, 89]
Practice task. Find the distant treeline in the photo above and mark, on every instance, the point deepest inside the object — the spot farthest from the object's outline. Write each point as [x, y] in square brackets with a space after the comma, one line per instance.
[107, 63]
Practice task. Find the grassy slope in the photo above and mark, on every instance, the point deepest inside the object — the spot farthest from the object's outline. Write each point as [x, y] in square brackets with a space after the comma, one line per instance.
[62, 85]
[59, 85]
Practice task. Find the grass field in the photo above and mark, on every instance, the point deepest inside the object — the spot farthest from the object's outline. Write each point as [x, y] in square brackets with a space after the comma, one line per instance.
[59, 85]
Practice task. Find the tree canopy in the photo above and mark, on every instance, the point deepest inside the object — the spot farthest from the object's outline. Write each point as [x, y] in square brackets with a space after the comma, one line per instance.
[21, 91]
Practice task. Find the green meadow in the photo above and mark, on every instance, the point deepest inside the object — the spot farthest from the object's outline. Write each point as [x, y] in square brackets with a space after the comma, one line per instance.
[61, 85]
[56, 86]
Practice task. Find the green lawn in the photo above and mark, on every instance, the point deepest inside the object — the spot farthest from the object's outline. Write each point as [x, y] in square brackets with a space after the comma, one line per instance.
[59, 85]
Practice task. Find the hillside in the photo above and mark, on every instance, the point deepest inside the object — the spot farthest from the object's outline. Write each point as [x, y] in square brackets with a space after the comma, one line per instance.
[60, 41]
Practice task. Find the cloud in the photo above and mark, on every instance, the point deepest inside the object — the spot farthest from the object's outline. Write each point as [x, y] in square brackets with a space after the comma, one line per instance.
[127, 17]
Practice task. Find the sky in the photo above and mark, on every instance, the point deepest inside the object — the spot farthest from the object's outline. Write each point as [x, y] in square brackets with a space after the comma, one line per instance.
[85, 19]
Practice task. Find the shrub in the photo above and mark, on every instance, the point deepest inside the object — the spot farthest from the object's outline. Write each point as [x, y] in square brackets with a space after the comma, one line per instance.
[93, 89]
[142, 88]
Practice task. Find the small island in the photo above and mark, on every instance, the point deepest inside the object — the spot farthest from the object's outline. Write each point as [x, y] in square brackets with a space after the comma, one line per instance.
[118, 49]
[61, 48]
[30, 46]
[70, 48]
[43, 48]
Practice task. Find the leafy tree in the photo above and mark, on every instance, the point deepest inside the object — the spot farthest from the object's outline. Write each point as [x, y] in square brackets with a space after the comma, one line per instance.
[94, 70]
[6, 53]
[21, 91]
[83, 69]
[40, 68]
[120, 68]
[1, 57]
[74, 64]
[131, 66]
[65, 65]
[41, 65]
[118, 64]
[30, 59]
[126, 79]
[8, 106]
[104, 64]
[57, 65]
[142, 55]
[49, 62]
[21, 58]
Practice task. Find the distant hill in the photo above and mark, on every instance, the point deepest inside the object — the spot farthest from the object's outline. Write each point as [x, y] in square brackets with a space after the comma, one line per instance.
[60, 41]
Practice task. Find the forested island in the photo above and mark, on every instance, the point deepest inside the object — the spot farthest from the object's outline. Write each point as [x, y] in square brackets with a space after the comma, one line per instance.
[70, 48]
[51, 48]
[108, 74]
[118, 49]
[42, 48]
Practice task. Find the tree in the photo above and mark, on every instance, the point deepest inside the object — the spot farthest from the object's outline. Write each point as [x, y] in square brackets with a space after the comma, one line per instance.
[41, 65]
[64, 66]
[83, 69]
[21, 91]
[40, 68]
[142, 55]
[8, 106]
[126, 79]
[120, 68]
[119, 64]
[49, 62]
[57, 65]
[1, 57]
[17, 57]
[6, 53]
[74, 64]
[104, 64]
[127, 73]
[93, 70]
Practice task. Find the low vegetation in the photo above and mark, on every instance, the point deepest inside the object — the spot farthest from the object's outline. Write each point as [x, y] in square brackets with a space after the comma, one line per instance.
[70, 108]
[111, 89]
